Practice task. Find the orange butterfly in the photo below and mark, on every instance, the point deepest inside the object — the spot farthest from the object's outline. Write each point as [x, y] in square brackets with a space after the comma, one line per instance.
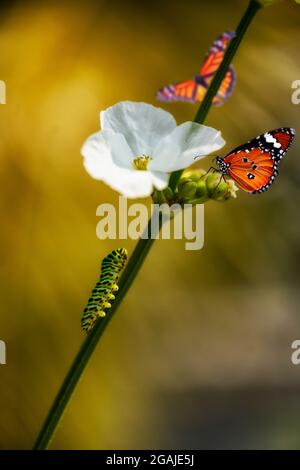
[195, 89]
[254, 165]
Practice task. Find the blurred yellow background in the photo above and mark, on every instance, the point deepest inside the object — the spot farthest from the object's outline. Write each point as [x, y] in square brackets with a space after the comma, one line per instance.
[198, 356]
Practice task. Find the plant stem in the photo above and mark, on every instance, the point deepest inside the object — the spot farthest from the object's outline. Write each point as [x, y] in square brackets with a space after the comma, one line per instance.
[204, 108]
[139, 254]
[136, 260]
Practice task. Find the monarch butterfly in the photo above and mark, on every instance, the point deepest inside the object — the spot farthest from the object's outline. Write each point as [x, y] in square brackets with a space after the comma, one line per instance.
[254, 165]
[103, 291]
[195, 89]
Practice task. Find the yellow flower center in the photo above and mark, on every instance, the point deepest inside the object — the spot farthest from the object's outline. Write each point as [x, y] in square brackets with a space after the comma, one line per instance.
[141, 162]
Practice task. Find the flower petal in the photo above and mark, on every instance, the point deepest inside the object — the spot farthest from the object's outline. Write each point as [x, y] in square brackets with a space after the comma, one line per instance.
[131, 183]
[99, 164]
[160, 180]
[97, 156]
[187, 141]
[142, 124]
[119, 149]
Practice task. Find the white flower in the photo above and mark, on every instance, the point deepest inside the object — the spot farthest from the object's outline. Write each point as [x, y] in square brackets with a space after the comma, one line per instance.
[232, 188]
[139, 145]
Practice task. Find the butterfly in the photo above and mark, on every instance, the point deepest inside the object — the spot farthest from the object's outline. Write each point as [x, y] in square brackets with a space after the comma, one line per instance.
[254, 165]
[195, 89]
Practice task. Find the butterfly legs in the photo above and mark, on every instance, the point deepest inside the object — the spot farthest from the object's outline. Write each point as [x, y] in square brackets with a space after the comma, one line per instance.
[222, 177]
[215, 170]
[212, 169]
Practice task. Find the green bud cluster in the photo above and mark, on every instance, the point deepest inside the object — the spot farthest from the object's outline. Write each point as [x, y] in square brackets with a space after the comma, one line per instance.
[197, 187]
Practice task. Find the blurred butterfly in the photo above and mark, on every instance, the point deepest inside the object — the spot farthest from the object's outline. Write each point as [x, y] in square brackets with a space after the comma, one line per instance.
[254, 165]
[195, 89]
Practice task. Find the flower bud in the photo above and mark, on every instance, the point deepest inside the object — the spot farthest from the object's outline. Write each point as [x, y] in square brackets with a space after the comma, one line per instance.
[158, 197]
[220, 191]
[188, 190]
[201, 188]
[194, 175]
[212, 182]
[168, 193]
[183, 180]
[197, 187]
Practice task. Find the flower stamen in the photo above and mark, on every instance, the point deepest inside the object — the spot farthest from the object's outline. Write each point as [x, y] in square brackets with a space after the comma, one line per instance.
[141, 162]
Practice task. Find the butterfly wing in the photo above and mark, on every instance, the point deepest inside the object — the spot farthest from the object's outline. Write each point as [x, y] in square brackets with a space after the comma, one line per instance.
[188, 90]
[252, 170]
[211, 65]
[226, 87]
[194, 90]
[254, 165]
[215, 56]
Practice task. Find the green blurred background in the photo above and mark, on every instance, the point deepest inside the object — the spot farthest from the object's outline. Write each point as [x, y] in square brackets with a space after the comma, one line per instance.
[198, 355]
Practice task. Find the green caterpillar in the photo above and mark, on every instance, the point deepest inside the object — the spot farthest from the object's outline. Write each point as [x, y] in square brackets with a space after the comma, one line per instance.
[103, 291]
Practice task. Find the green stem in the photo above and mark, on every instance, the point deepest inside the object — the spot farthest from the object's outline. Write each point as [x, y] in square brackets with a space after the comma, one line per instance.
[136, 260]
[134, 264]
[204, 108]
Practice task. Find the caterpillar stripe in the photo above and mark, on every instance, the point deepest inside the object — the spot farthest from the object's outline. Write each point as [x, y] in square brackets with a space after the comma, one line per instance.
[103, 292]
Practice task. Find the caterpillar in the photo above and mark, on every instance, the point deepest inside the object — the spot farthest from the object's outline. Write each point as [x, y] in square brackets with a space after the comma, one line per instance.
[103, 291]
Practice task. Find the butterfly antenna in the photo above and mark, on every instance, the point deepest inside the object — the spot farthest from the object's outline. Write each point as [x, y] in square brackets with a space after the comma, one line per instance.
[214, 159]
